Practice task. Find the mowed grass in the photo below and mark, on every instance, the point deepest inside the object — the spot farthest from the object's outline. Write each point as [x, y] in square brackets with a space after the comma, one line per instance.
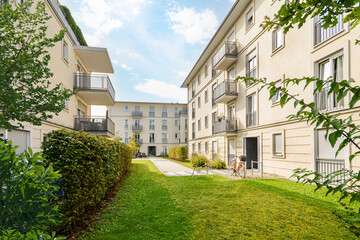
[150, 205]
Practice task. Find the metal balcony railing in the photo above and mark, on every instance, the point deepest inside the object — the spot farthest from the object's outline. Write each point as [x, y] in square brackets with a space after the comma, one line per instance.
[322, 34]
[84, 81]
[164, 114]
[183, 112]
[227, 125]
[139, 141]
[250, 119]
[137, 114]
[327, 166]
[152, 127]
[228, 49]
[164, 140]
[226, 88]
[137, 127]
[151, 114]
[94, 124]
[164, 127]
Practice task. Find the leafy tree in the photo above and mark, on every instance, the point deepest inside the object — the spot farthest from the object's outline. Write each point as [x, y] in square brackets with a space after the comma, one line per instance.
[338, 128]
[133, 143]
[27, 94]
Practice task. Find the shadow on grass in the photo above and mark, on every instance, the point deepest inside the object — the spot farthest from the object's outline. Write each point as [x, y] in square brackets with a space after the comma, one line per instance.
[143, 209]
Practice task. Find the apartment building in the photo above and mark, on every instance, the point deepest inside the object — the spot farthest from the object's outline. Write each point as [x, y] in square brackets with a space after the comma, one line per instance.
[73, 66]
[230, 119]
[155, 126]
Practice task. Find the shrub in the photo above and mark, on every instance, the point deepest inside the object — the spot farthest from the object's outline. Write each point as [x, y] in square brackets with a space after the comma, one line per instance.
[199, 161]
[178, 153]
[218, 164]
[89, 165]
[25, 189]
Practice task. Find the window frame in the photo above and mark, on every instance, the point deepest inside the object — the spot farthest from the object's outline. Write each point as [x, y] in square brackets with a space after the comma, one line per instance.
[65, 51]
[273, 144]
[247, 24]
[275, 34]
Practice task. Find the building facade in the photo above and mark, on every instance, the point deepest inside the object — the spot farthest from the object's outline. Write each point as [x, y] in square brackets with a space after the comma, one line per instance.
[228, 118]
[155, 126]
[72, 65]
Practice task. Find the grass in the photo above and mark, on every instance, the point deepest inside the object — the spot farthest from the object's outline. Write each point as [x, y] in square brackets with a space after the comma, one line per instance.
[150, 205]
[186, 163]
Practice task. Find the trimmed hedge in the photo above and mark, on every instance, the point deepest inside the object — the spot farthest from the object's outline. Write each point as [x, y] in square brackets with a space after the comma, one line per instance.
[179, 153]
[76, 29]
[89, 165]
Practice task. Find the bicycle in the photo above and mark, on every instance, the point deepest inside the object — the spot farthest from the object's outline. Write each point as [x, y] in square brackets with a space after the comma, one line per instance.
[238, 169]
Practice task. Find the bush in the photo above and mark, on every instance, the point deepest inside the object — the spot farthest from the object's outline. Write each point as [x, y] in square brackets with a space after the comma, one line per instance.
[178, 153]
[89, 165]
[218, 164]
[199, 161]
[25, 189]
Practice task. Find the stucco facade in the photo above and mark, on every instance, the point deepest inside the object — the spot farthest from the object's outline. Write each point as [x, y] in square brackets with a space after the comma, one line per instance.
[242, 120]
[156, 126]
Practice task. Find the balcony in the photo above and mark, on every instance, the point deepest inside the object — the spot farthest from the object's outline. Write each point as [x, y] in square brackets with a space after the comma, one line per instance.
[225, 56]
[137, 114]
[127, 140]
[164, 127]
[164, 114]
[96, 125]
[151, 114]
[164, 140]
[183, 113]
[94, 89]
[225, 92]
[137, 127]
[227, 126]
[139, 141]
[251, 119]
[322, 34]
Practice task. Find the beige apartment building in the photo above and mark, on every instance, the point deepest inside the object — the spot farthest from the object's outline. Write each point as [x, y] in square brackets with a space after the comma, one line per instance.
[231, 119]
[155, 126]
[73, 66]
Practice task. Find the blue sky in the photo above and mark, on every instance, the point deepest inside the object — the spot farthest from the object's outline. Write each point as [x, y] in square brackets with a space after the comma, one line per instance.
[153, 44]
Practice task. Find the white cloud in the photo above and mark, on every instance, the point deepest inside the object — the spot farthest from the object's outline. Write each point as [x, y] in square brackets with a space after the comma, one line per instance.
[126, 67]
[106, 16]
[115, 62]
[232, 1]
[182, 74]
[194, 26]
[162, 89]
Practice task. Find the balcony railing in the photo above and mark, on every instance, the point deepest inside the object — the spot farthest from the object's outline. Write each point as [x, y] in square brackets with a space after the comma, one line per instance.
[164, 114]
[164, 127]
[324, 101]
[137, 127]
[152, 127]
[164, 140]
[151, 114]
[225, 91]
[227, 125]
[225, 56]
[327, 166]
[139, 141]
[93, 82]
[176, 115]
[137, 114]
[322, 34]
[94, 124]
[250, 119]
[183, 112]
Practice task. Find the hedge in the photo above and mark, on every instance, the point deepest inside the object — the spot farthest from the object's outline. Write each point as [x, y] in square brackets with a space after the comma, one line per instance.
[89, 165]
[179, 153]
[76, 29]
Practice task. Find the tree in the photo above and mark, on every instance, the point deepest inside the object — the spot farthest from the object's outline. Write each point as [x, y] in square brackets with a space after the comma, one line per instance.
[338, 128]
[27, 94]
[133, 143]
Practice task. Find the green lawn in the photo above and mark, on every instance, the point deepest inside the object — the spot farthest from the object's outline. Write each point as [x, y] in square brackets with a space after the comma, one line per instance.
[152, 206]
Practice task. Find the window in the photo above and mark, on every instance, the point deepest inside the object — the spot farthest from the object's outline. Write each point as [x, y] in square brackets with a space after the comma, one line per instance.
[81, 109]
[176, 135]
[126, 108]
[249, 18]
[322, 34]
[164, 150]
[65, 51]
[176, 112]
[192, 89]
[126, 137]
[193, 147]
[213, 93]
[186, 136]
[199, 124]
[251, 65]
[278, 144]
[186, 124]
[193, 130]
[21, 1]
[199, 147]
[164, 137]
[152, 124]
[206, 147]
[206, 96]
[330, 68]
[214, 149]
[277, 39]
[164, 111]
[206, 70]
[151, 111]
[152, 137]
[193, 109]
[276, 98]
[251, 110]
[198, 79]
[199, 101]
[126, 123]
[164, 125]
[206, 121]
[66, 101]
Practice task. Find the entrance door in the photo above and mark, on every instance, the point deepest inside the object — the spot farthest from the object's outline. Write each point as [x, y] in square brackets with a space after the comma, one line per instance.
[251, 151]
[231, 150]
[151, 151]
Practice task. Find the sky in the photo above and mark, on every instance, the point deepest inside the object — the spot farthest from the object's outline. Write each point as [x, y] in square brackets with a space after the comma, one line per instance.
[153, 44]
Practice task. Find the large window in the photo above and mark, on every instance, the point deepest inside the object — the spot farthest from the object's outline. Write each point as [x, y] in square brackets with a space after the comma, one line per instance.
[322, 34]
[152, 124]
[193, 109]
[152, 138]
[164, 125]
[214, 149]
[276, 97]
[277, 39]
[251, 110]
[192, 89]
[251, 64]
[199, 124]
[151, 111]
[176, 112]
[331, 68]
[164, 111]
[199, 101]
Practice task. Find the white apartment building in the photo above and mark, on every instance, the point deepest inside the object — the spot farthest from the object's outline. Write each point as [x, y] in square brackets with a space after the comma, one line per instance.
[73, 66]
[155, 126]
[230, 119]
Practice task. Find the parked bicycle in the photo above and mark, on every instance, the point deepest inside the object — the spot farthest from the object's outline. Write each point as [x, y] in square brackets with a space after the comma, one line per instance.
[238, 169]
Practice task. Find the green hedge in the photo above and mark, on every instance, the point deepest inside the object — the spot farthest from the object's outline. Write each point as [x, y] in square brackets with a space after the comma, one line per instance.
[89, 165]
[179, 153]
[76, 29]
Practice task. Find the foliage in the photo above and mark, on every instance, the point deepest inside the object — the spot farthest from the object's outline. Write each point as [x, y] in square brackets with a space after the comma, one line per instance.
[216, 208]
[89, 165]
[24, 71]
[217, 164]
[76, 29]
[199, 161]
[178, 153]
[134, 145]
[26, 186]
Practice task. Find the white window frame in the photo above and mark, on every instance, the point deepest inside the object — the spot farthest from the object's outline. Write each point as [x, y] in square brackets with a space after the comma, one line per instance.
[275, 36]
[42, 133]
[199, 101]
[255, 106]
[65, 51]
[247, 16]
[206, 70]
[251, 64]
[276, 98]
[275, 154]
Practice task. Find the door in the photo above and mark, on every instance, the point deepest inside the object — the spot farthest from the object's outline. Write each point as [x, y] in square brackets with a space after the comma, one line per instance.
[231, 150]
[251, 152]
